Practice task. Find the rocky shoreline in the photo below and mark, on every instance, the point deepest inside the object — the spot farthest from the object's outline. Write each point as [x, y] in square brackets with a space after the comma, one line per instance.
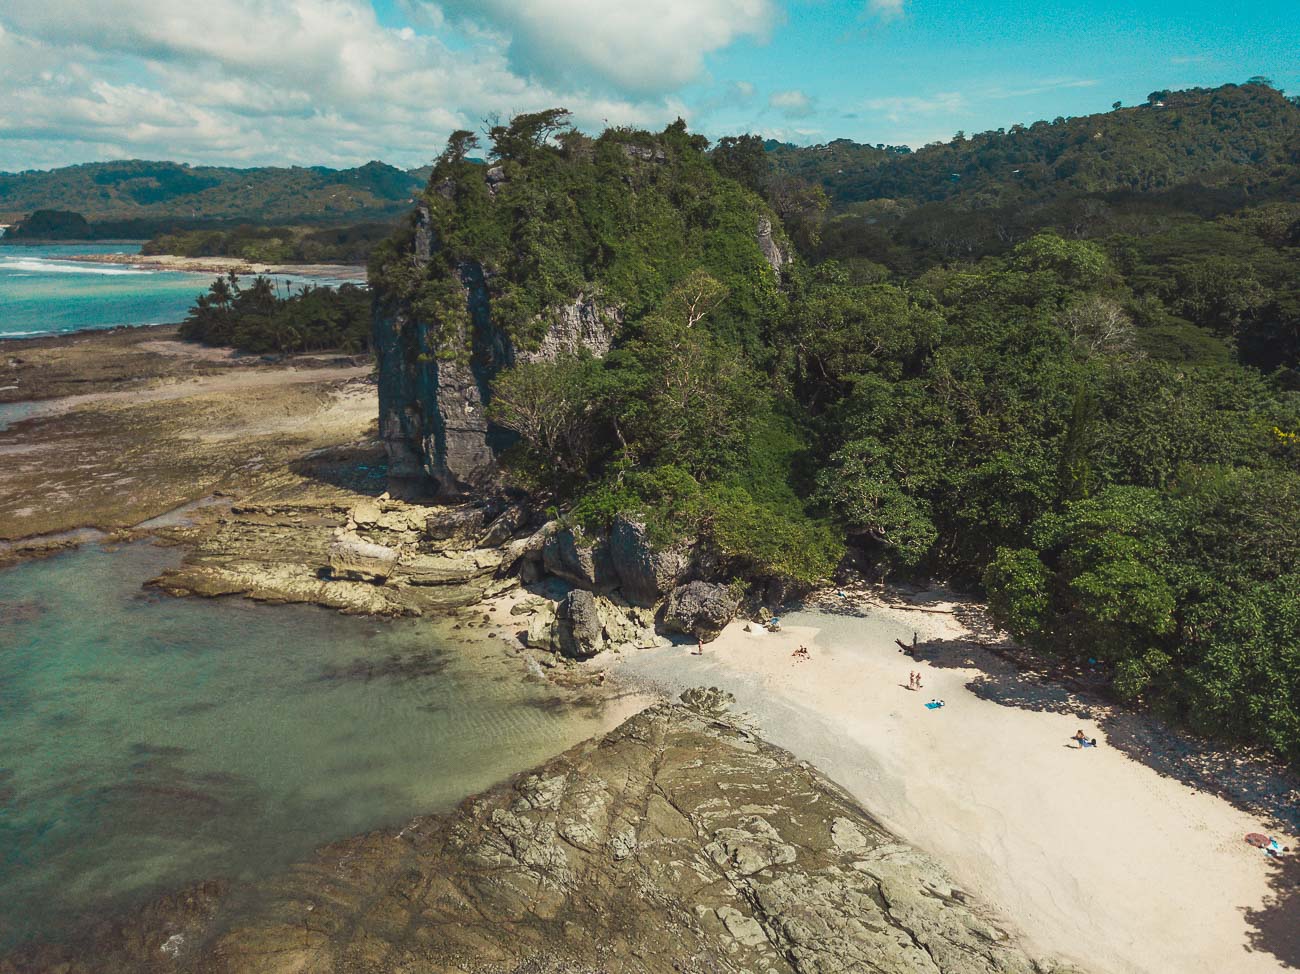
[678, 842]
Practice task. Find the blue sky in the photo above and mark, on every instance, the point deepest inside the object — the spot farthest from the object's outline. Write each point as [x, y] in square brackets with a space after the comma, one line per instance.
[939, 65]
[344, 81]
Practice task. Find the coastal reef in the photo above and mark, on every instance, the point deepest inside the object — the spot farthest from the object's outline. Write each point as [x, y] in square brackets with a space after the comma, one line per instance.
[679, 842]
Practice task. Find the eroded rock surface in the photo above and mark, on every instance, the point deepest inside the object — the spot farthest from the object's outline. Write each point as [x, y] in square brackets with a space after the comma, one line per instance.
[644, 573]
[700, 609]
[678, 843]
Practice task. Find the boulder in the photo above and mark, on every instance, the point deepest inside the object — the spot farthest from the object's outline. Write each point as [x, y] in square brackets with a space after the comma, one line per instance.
[456, 524]
[543, 630]
[627, 626]
[503, 528]
[579, 561]
[700, 609]
[581, 631]
[643, 573]
[354, 559]
[530, 547]
[530, 571]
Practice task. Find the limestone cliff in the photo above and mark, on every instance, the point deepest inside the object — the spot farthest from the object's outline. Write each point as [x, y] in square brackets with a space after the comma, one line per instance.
[542, 254]
[433, 403]
[678, 843]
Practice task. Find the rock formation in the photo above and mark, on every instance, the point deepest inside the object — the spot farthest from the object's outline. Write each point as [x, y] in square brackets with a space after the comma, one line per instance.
[678, 843]
[700, 609]
[644, 574]
[434, 388]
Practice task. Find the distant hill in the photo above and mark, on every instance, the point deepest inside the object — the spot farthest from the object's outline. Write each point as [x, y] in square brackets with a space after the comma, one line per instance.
[1245, 138]
[141, 190]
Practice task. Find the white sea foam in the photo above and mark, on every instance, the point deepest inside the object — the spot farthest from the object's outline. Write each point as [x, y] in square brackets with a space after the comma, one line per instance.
[65, 267]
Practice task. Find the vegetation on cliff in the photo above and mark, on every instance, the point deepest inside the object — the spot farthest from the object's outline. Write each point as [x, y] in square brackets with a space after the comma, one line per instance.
[259, 319]
[1086, 404]
[680, 422]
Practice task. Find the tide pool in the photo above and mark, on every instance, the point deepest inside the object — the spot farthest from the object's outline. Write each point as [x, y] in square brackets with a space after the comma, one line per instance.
[40, 294]
[147, 742]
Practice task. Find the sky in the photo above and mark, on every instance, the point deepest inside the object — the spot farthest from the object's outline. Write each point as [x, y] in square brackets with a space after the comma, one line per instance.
[341, 82]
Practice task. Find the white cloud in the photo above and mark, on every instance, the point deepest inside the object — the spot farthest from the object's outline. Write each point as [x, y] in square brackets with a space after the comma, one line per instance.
[900, 109]
[269, 81]
[1040, 87]
[646, 47]
[886, 9]
[792, 104]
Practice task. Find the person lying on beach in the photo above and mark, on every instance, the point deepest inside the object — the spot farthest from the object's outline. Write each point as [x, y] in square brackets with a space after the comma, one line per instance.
[801, 653]
[1083, 741]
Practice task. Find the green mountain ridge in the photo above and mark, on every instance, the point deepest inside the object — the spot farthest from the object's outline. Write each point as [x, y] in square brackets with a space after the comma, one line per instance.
[135, 189]
[1242, 137]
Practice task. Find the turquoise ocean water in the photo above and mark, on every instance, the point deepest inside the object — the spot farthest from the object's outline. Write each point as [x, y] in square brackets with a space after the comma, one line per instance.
[147, 742]
[41, 294]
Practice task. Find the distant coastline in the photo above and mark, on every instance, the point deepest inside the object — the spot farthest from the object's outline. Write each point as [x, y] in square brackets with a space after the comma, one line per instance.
[223, 265]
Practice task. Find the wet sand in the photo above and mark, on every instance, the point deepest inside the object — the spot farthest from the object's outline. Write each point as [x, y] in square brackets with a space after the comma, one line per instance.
[105, 430]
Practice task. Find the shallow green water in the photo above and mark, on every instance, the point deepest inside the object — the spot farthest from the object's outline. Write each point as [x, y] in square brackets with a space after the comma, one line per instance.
[147, 742]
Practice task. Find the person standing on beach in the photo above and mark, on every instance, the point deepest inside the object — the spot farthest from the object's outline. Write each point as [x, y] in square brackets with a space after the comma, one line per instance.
[699, 646]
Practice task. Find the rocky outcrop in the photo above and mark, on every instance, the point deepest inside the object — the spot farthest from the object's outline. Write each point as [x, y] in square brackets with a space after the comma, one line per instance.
[679, 842]
[585, 325]
[644, 573]
[435, 380]
[375, 557]
[770, 248]
[700, 609]
[582, 633]
[578, 560]
[354, 559]
[457, 525]
[581, 625]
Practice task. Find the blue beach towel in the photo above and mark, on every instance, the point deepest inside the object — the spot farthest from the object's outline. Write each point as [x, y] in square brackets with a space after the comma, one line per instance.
[933, 706]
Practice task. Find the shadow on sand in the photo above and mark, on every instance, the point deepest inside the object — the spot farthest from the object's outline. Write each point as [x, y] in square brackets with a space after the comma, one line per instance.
[1275, 927]
[361, 468]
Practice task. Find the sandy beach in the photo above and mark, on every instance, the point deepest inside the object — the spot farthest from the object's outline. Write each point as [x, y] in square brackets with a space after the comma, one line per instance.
[223, 265]
[1118, 857]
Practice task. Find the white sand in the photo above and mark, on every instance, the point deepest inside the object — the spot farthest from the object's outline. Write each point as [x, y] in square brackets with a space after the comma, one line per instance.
[1092, 854]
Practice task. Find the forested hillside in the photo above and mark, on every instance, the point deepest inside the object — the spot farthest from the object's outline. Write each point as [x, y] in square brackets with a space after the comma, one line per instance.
[1237, 137]
[1093, 421]
[134, 190]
